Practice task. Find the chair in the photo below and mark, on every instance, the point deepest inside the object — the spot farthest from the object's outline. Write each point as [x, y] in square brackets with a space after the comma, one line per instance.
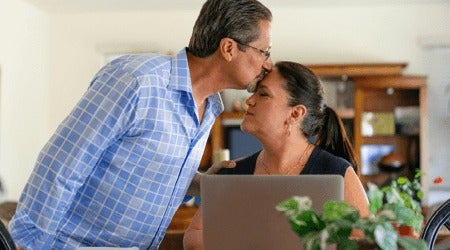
[6, 241]
[439, 218]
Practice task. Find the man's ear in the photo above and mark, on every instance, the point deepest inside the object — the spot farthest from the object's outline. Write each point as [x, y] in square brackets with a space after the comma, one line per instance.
[226, 48]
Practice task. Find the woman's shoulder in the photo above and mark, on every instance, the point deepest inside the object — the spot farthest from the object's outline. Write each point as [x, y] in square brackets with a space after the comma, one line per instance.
[324, 155]
[324, 162]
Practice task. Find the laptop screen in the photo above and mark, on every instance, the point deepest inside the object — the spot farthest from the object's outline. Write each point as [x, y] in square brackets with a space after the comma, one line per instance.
[239, 210]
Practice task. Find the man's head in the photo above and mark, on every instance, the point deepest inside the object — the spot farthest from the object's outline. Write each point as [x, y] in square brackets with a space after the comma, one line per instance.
[218, 19]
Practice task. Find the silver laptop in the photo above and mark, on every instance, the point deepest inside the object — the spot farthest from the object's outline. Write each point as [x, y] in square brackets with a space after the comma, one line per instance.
[239, 210]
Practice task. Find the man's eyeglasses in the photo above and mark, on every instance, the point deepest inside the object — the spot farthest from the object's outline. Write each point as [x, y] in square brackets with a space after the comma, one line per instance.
[265, 53]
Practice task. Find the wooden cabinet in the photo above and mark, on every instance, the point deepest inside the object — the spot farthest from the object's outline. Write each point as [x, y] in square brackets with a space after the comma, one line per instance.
[387, 94]
[383, 89]
[377, 88]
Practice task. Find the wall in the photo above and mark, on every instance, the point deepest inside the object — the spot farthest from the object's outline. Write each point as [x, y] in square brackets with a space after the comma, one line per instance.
[77, 51]
[438, 58]
[24, 77]
[369, 33]
[311, 34]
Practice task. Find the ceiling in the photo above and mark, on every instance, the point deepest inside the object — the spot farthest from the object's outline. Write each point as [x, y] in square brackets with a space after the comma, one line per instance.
[134, 5]
[111, 5]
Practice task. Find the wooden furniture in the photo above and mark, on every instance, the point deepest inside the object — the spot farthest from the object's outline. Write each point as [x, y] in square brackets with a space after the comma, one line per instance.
[173, 239]
[377, 88]
[384, 94]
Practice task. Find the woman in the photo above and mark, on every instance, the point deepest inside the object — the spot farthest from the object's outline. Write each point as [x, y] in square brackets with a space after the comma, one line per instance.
[286, 109]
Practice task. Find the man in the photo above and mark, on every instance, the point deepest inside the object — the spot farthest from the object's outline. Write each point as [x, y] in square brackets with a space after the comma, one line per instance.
[119, 165]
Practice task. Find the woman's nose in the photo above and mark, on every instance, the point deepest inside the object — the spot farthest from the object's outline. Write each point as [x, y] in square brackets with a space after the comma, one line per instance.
[250, 101]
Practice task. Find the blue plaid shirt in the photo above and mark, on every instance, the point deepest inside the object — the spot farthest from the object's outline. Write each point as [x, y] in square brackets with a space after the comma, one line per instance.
[118, 166]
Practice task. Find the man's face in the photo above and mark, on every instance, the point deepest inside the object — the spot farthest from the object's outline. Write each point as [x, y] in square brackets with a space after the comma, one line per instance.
[255, 60]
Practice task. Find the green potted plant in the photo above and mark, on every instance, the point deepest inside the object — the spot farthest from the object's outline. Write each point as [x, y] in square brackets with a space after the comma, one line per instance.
[403, 198]
[389, 206]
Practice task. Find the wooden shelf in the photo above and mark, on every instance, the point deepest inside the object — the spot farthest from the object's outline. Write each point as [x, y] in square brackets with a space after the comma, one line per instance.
[360, 69]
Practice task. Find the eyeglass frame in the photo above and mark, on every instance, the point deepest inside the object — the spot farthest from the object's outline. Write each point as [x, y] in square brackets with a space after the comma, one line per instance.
[265, 53]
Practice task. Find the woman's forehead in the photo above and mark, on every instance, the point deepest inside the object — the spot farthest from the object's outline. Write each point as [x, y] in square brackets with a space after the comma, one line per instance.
[272, 79]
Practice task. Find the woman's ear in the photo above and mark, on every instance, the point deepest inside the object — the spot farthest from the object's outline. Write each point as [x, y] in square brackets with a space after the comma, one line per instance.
[298, 112]
[226, 48]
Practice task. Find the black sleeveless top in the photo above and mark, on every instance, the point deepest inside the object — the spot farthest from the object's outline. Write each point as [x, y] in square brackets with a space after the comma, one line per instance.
[320, 162]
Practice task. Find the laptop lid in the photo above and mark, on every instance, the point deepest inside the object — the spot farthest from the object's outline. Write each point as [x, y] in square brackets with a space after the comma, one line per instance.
[239, 210]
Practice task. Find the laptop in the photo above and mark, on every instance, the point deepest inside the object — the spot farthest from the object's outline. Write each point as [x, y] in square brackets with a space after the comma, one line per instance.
[239, 210]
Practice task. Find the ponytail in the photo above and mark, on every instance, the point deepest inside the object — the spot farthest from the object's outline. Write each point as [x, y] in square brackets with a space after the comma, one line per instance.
[333, 138]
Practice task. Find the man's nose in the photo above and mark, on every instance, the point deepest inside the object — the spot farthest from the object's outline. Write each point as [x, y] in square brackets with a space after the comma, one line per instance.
[268, 64]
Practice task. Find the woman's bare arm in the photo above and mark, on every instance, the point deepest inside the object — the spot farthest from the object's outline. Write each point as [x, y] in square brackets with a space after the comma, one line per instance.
[193, 236]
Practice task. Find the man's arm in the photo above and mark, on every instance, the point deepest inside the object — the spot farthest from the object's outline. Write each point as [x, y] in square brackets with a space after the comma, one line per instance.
[68, 158]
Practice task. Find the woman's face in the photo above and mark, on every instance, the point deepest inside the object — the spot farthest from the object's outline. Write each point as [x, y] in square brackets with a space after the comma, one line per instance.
[268, 113]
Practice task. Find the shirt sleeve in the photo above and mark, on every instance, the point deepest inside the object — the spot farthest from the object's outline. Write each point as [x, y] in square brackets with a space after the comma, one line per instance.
[103, 115]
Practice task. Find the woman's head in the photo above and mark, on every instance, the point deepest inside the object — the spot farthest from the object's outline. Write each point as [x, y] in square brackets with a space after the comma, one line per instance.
[288, 98]
[292, 92]
[303, 88]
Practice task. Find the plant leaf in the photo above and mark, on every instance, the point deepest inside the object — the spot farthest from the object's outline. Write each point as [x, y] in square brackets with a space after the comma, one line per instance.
[294, 205]
[334, 210]
[412, 244]
[312, 241]
[402, 180]
[375, 198]
[406, 216]
[306, 222]
[385, 236]
[348, 244]
[339, 230]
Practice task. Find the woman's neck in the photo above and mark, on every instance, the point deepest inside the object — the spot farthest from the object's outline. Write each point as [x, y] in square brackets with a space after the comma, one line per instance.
[284, 159]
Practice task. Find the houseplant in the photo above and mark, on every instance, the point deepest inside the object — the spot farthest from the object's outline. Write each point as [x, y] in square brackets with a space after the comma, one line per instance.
[403, 198]
[389, 208]
[335, 224]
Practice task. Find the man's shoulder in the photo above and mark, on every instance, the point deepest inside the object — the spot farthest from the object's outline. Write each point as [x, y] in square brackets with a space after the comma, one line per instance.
[141, 64]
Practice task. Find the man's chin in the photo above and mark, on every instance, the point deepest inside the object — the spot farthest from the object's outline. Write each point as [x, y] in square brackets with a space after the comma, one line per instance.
[251, 87]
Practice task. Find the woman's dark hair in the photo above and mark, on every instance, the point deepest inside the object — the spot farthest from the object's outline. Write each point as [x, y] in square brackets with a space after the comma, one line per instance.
[236, 19]
[321, 122]
[333, 138]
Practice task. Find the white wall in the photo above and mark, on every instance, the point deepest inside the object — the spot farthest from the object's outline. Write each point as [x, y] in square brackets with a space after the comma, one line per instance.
[439, 103]
[78, 41]
[370, 33]
[313, 34]
[24, 77]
